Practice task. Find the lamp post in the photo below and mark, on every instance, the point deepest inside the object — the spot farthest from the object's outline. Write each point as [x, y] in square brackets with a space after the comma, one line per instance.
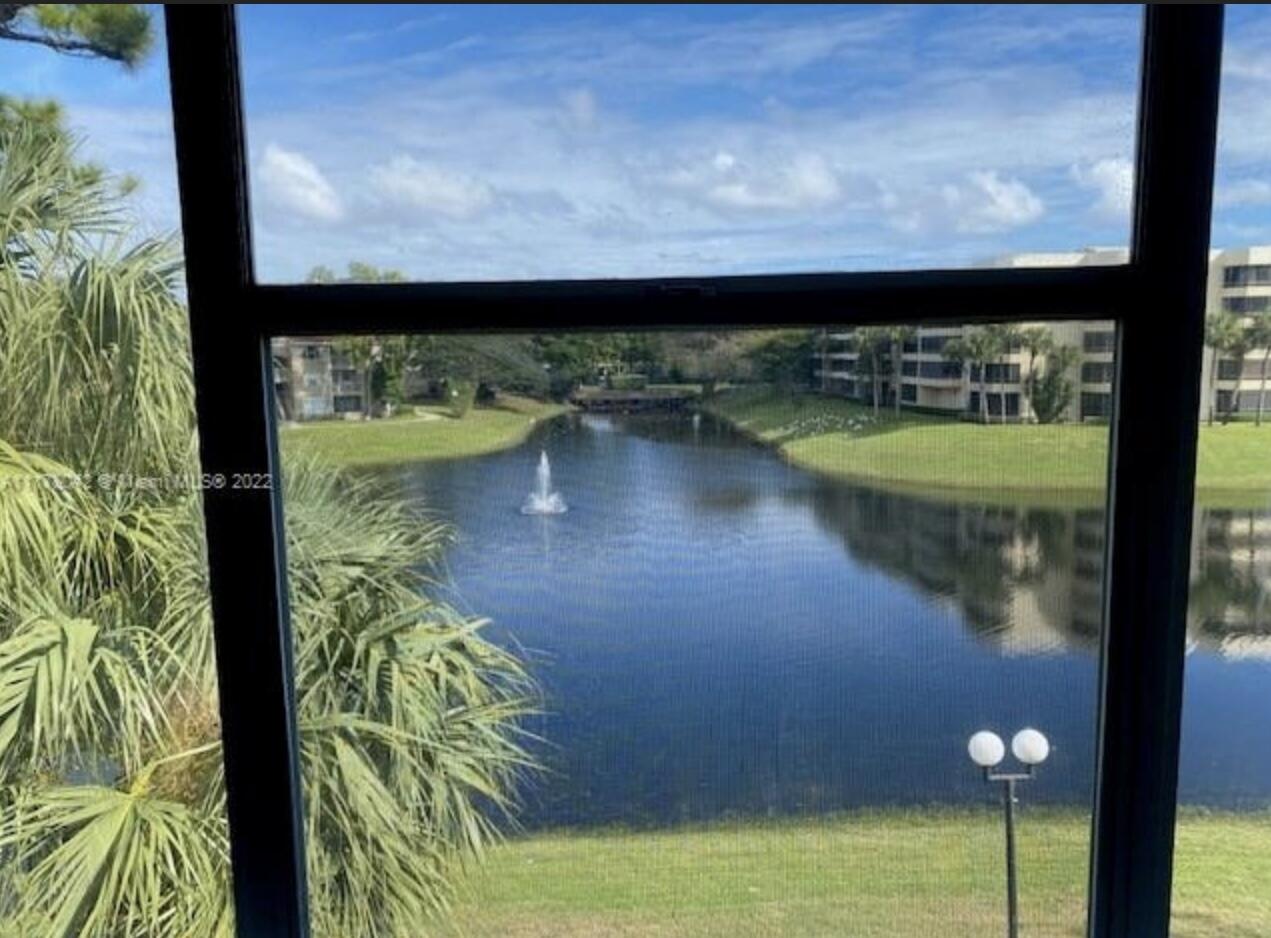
[987, 751]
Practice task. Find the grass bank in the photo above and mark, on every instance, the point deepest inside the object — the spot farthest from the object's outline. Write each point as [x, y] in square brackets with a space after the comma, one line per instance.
[925, 452]
[430, 434]
[891, 874]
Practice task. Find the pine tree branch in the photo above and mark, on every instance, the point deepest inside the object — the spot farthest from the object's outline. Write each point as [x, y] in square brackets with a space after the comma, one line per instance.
[68, 46]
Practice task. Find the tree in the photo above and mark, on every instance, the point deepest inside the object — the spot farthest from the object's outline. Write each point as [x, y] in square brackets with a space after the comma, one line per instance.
[976, 349]
[1259, 335]
[1049, 388]
[1038, 342]
[898, 336]
[117, 31]
[111, 788]
[783, 359]
[872, 345]
[364, 352]
[1001, 339]
[1223, 333]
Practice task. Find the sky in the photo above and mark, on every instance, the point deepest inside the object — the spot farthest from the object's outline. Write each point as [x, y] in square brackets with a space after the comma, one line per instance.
[487, 142]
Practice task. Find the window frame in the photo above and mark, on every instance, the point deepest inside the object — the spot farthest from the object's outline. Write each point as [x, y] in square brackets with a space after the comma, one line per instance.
[1156, 299]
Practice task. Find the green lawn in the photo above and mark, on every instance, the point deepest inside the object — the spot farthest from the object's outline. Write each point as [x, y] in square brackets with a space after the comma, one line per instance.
[916, 451]
[431, 435]
[889, 875]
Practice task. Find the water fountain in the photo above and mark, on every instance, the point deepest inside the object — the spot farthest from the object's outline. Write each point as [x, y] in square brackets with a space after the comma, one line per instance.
[543, 501]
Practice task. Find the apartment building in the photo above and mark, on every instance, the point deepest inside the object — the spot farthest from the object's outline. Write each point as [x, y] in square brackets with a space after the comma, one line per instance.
[314, 380]
[1239, 283]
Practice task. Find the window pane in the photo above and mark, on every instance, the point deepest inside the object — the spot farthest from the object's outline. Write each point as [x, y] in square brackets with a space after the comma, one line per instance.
[742, 623]
[485, 142]
[112, 815]
[1222, 861]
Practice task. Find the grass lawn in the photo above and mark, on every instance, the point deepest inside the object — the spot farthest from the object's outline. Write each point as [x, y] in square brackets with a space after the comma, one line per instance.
[431, 435]
[924, 452]
[900, 874]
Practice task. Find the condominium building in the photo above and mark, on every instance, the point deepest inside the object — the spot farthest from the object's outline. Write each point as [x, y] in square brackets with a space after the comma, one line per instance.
[314, 380]
[1239, 283]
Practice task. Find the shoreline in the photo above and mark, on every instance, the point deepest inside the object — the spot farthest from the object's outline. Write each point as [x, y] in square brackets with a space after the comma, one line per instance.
[1075, 454]
[428, 437]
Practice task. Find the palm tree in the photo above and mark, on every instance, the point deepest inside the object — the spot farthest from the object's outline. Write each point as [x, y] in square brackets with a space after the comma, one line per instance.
[1038, 342]
[870, 343]
[1259, 335]
[897, 337]
[976, 349]
[111, 788]
[1224, 334]
[1001, 338]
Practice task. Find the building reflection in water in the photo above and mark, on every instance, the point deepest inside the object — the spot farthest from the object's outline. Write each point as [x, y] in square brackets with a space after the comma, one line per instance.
[1029, 580]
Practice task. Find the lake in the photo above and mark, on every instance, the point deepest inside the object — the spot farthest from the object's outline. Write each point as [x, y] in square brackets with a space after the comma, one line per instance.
[719, 634]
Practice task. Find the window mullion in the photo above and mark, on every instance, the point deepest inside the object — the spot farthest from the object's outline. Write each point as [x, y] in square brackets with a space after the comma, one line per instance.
[1152, 473]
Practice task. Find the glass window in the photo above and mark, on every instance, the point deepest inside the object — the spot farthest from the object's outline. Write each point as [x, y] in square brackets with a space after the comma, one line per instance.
[1230, 370]
[1222, 858]
[667, 615]
[485, 142]
[112, 816]
[1098, 372]
[1099, 341]
[1241, 305]
[1095, 404]
[1246, 274]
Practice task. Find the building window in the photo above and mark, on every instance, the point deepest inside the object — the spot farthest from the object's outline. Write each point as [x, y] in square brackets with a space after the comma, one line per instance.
[910, 346]
[1241, 275]
[1246, 305]
[909, 369]
[1102, 341]
[1229, 369]
[314, 407]
[1097, 372]
[1095, 404]
[997, 373]
[934, 344]
[940, 371]
[909, 393]
[994, 404]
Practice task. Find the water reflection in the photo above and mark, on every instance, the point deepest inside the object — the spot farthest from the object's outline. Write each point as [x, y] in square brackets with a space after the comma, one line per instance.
[719, 633]
[1030, 580]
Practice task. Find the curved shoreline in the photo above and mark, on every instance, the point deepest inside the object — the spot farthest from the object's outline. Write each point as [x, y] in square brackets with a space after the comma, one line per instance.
[379, 444]
[1061, 465]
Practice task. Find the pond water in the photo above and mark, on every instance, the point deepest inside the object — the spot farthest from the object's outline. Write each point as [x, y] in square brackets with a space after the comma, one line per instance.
[719, 634]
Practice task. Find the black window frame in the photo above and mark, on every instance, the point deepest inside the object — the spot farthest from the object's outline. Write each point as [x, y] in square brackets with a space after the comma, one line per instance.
[1156, 298]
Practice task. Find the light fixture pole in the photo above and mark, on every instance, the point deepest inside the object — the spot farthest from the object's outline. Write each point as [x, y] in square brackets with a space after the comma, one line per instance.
[987, 751]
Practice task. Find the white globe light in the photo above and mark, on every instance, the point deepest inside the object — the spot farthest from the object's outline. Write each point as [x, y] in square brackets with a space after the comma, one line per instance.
[986, 749]
[1030, 747]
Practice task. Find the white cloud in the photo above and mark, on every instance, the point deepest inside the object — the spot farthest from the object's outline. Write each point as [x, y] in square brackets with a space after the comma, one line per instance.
[1113, 182]
[771, 183]
[1243, 192]
[404, 182]
[987, 203]
[292, 182]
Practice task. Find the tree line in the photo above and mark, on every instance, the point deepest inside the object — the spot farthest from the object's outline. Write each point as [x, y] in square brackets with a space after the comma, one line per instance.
[1047, 385]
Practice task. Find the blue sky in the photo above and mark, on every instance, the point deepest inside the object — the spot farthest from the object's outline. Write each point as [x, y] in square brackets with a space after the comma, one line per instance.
[535, 141]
